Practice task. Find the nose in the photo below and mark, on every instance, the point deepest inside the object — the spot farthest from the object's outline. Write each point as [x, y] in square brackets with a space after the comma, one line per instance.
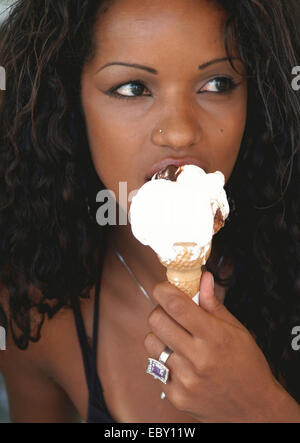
[177, 128]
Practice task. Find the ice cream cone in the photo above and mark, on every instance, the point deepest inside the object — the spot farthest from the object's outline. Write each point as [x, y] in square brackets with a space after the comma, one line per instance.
[184, 271]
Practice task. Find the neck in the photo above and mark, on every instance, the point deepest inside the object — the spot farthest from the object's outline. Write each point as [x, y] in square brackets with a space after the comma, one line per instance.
[141, 259]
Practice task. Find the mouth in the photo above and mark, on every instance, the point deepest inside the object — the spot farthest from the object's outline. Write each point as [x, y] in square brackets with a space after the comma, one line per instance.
[173, 161]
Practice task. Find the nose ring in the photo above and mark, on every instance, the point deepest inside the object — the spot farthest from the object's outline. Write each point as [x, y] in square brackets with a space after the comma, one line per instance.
[161, 132]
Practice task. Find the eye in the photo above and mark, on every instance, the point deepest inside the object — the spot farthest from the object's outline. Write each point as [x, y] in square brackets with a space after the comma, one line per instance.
[129, 90]
[219, 85]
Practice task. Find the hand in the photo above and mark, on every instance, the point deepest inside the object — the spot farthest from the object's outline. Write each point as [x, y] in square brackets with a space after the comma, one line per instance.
[217, 371]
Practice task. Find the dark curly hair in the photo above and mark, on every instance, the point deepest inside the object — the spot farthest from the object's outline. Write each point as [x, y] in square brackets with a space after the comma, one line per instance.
[50, 244]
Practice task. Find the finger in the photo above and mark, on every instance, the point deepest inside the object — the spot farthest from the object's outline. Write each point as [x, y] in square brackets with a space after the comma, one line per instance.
[154, 346]
[170, 332]
[183, 309]
[209, 301]
[178, 366]
[181, 373]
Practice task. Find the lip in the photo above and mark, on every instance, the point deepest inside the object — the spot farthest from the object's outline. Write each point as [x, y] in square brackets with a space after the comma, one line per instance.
[173, 161]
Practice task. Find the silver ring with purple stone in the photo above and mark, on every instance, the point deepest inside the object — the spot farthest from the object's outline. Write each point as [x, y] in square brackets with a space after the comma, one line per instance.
[157, 369]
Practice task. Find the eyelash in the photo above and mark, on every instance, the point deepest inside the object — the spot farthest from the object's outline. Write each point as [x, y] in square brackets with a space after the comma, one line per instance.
[111, 92]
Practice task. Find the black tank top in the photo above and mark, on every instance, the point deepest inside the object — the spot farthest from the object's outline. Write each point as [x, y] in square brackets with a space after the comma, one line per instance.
[97, 410]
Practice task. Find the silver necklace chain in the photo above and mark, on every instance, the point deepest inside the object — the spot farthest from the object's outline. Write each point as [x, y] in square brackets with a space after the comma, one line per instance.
[122, 260]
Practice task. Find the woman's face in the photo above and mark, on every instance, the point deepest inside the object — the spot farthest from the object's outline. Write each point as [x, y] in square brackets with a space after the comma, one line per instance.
[159, 65]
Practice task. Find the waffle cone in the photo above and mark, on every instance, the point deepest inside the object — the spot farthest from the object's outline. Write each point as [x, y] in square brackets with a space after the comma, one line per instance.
[184, 271]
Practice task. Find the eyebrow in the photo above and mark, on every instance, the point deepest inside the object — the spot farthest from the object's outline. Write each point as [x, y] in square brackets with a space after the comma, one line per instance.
[131, 65]
[216, 60]
[154, 71]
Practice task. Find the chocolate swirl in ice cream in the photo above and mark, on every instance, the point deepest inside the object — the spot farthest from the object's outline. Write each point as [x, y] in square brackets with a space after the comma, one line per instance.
[170, 172]
[219, 221]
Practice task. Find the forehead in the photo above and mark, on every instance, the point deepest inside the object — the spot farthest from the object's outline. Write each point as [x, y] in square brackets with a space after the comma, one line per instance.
[151, 28]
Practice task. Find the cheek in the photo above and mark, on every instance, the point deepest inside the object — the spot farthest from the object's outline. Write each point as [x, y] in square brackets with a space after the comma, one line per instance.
[227, 134]
[112, 146]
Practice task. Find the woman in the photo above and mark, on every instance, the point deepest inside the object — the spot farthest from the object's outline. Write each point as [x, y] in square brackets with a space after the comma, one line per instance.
[100, 93]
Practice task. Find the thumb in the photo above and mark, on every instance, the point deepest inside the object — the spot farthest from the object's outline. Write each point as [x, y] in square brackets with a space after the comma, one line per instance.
[207, 298]
[209, 302]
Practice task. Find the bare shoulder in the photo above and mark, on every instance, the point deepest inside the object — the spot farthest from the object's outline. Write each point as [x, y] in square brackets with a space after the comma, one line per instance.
[34, 395]
[33, 353]
[57, 336]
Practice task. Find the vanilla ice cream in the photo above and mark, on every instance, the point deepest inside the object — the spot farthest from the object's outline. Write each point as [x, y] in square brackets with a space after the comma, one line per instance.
[189, 210]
